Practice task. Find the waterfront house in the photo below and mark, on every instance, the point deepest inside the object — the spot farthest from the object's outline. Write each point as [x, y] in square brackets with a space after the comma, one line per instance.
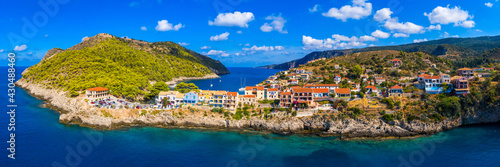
[96, 92]
[190, 98]
[217, 100]
[294, 82]
[273, 77]
[465, 72]
[272, 94]
[205, 95]
[396, 90]
[247, 99]
[258, 91]
[291, 76]
[285, 99]
[302, 94]
[460, 84]
[179, 99]
[300, 71]
[343, 92]
[231, 100]
[396, 63]
[445, 78]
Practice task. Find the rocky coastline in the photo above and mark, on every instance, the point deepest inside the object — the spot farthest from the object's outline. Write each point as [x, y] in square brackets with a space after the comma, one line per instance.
[76, 111]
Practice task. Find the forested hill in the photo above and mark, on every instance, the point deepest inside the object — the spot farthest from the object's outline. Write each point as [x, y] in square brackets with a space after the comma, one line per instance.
[126, 66]
[454, 48]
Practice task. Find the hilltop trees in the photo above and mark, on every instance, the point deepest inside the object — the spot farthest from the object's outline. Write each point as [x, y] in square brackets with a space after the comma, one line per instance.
[186, 87]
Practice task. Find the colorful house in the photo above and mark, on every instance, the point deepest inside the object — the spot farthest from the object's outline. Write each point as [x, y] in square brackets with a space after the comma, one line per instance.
[285, 99]
[460, 84]
[396, 90]
[465, 72]
[217, 100]
[258, 91]
[247, 99]
[272, 94]
[231, 100]
[190, 98]
[320, 93]
[371, 89]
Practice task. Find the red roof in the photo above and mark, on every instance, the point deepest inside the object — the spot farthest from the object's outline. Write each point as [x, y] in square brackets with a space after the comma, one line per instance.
[395, 60]
[294, 80]
[371, 87]
[97, 89]
[424, 75]
[396, 87]
[321, 85]
[232, 93]
[286, 93]
[432, 77]
[249, 96]
[299, 89]
[320, 90]
[343, 91]
[272, 89]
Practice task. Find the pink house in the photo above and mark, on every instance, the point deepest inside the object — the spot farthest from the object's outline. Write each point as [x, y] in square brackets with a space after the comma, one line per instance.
[460, 84]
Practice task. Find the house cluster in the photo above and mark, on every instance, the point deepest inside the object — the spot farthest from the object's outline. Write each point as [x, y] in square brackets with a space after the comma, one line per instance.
[213, 98]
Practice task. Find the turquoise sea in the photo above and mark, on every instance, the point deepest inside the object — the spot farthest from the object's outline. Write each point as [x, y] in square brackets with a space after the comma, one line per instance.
[42, 141]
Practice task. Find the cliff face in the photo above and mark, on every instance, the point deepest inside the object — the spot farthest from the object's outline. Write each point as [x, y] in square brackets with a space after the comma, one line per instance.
[76, 111]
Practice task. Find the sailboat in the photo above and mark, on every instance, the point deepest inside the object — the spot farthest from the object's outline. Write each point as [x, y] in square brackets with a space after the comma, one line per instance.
[242, 84]
[211, 85]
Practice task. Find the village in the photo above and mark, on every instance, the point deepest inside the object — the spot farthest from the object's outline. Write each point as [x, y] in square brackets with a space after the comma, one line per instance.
[306, 93]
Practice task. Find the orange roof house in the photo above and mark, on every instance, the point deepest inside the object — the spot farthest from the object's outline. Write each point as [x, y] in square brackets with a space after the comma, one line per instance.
[97, 89]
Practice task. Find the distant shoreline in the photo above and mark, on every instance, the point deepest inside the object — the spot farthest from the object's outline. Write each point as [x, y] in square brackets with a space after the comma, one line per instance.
[181, 79]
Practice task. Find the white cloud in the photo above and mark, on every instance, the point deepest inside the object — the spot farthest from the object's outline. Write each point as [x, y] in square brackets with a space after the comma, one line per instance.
[239, 32]
[233, 19]
[83, 39]
[488, 4]
[358, 10]
[164, 25]
[447, 15]
[367, 38]
[380, 34]
[397, 35]
[382, 14]
[1, 50]
[46, 35]
[144, 28]
[239, 54]
[217, 53]
[407, 27]
[419, 40]
[30, 53]
[277, 24]
[20, 48]
[338, 41]
[205, 47]
[263, 48]
[467, 24]
[220, 37]
[314, 9]
[446, 35]
[183, 43]
[247, 44]
[434, 27]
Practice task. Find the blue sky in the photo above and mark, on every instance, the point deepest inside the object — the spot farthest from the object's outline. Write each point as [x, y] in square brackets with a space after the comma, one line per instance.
[242, 32]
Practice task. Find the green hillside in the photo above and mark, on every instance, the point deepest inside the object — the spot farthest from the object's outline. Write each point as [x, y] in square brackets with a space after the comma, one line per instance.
[126, 67]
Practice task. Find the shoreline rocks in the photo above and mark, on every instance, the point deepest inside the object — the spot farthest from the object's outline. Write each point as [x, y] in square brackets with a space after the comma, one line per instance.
[76, 111]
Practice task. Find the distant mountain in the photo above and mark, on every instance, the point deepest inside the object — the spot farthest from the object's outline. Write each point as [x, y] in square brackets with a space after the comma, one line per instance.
[126, 66]
[456, 47]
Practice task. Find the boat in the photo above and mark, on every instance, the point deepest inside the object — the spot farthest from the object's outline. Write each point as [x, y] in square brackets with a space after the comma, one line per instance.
[242, 84]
